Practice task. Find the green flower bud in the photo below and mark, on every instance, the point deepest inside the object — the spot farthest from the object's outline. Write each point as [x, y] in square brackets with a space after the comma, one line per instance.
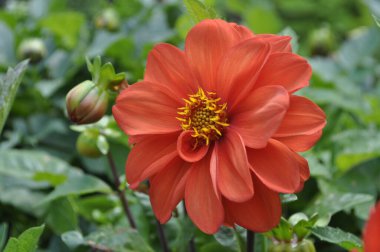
[86, 103]
[33, 48]
[322, 41]
[108, 19]
[302, 246]
[87, 144]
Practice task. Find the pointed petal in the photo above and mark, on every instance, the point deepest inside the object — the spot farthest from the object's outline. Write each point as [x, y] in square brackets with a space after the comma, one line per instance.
[259, 115]
[278, 43]
[304, 171]
[303, 117]
[205, 45]
[168, 66]
[186, 150]
[259, 214]
[302, 125]
[167, 188]
[276, 167]
[300, 143]
[150, 156]
[286, 69]
[202, 204]
[243, 31]
[146, 108]
[239, 69]
[372, 231]
[233, 174]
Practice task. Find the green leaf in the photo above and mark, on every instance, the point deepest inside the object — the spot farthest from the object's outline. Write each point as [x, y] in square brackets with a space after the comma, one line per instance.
[78, 185]
[6, 44]
[113, 239]
[8, 89]
[26, 242]
[377, 20]
[3, 234]
[66, 26]
[199, 11]
[287, 198]
[327, 205]
[262, 19]
[337, 236]
[61, 216]
[102, 144]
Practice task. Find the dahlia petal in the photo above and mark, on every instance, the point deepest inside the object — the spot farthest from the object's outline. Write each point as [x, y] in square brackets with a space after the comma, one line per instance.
[372, 231]
[286, 69]
[205, 45]
[168, 66]
[233, 173]
[146, 108]
[276, 167]
[300, 143]
[278, 43]
[202, 204]
[239, 69]
[149, 156]
[167, 188]
[243, 31]
[303, 117]
[303, 166]
[259, 214]
[257, 117]
[185, 149]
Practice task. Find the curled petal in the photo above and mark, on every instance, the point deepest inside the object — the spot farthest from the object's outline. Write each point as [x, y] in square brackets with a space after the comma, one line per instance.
[259, 214]
[233, 174]
[205, 45]
[259, 115]
[146, 108]
[168, 66]
[276, 166]
[167, 188]
[186, 150]
[286, 69]
[202, 204]
[162, 150]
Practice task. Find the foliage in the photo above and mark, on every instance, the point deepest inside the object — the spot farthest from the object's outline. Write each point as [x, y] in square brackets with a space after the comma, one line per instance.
[43, 178]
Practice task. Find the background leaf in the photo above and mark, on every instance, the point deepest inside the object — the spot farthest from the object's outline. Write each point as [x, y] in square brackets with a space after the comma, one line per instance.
[337, 236]
[26, 242]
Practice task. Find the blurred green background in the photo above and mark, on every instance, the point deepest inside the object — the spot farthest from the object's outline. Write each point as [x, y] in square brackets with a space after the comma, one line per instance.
[43, 179]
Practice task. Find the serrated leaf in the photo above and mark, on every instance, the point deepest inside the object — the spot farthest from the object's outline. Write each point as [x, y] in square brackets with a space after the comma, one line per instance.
[199, 11]
[26, 242]
[8, 89]
[337, 236]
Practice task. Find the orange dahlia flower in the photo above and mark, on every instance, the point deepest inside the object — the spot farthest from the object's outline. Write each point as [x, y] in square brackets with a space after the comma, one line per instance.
[371, 235]
[217, 124]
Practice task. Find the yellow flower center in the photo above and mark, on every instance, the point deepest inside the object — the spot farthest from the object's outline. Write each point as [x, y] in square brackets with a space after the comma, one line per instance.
[203, 114]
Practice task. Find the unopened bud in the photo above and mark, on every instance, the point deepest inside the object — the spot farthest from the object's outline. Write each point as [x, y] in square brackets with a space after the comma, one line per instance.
[301, 246]
[87, 144]
[86, 103]
[33, 48]
[108, 19]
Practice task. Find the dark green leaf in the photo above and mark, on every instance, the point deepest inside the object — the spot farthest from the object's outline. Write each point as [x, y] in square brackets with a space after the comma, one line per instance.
[3, 234]
[26, 242]
[337, 236]
[8, 89]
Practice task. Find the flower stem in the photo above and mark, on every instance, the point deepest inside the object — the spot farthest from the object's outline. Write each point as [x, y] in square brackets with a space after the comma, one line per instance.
[161, 236]
[120, 193]
[250, 241]
[191, 242]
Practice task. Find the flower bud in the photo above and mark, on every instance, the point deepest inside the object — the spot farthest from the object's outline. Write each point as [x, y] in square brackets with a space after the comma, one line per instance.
[322, 41]
[108, 19]
[87, 144]
[301, 246]
[86, 103]
[33, 48]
